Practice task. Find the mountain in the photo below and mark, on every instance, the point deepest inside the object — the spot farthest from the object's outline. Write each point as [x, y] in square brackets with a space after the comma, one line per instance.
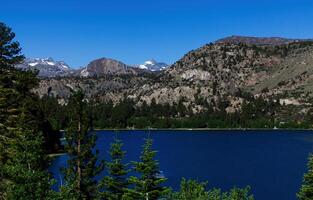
[106, 66]
[152, 65]
[46, 67]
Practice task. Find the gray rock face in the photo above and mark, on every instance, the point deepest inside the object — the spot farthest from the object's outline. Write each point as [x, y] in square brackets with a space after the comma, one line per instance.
[105, 66]
[46, 67]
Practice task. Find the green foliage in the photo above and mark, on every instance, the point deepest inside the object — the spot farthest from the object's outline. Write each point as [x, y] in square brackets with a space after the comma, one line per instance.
[122, 112]
[191, 189]
[82, 164]
[254, 113]
[115, 185]
[53, 119]
[306, 190]
[10, 50]
[24, 161]
[26, 172]
[148, 184]
[23, 164]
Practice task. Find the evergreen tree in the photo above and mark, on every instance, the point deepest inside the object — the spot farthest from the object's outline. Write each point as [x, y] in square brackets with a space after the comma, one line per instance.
[23, 169]
[10, 50]
[306, 190]
[148, 185]
[27, 169]
[114, 186]
[82, 164]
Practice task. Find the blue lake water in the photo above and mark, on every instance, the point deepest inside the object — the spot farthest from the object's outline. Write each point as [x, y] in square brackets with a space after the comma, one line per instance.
[271, 162]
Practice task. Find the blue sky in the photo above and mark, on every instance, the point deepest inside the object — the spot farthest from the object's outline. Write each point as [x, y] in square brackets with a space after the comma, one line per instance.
[133, 31]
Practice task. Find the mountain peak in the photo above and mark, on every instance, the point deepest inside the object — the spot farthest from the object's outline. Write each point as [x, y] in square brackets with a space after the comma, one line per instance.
[105, 66]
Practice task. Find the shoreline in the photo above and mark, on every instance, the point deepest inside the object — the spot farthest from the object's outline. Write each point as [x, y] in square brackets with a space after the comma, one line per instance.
[204, 129]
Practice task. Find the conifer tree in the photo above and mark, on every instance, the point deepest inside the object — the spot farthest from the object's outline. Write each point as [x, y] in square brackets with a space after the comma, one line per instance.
[148, 185]
[10, 50]
[306, 190]
[114, 186]
[23, 170]
[82, 166]
[26, 168]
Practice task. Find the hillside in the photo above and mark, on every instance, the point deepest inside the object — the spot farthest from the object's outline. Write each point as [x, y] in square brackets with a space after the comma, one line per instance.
[205, 76]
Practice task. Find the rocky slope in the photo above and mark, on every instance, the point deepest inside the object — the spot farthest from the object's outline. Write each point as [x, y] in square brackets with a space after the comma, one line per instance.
[269, 67]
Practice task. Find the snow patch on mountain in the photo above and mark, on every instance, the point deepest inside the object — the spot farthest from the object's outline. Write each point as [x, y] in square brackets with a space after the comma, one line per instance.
[33, 64]
[143, 67]
[84, 73]
[152, 65]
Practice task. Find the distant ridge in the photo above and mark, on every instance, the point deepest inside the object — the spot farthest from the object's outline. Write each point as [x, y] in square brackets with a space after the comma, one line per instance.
[47, 67]
[263, 41]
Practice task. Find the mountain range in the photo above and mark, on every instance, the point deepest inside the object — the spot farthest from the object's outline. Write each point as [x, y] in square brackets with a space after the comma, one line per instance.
[48, 67]
[226, 70]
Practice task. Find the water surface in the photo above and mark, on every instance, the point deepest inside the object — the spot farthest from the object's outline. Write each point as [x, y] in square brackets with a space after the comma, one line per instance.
[271, 162]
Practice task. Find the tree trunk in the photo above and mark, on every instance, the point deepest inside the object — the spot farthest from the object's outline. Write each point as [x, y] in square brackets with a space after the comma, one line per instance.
[78, 154]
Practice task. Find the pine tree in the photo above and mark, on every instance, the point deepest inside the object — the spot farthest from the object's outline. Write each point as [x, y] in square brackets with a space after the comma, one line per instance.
[26, 170]
[148, 185]
[114, 186]
[82, 164]
[306, 190]
[23, 170]
[10, 50]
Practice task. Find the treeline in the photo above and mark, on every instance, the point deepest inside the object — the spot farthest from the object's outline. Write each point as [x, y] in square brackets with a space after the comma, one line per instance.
[254, 113]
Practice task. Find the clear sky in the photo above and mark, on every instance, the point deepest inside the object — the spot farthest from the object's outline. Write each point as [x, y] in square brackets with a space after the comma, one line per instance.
[78, 31]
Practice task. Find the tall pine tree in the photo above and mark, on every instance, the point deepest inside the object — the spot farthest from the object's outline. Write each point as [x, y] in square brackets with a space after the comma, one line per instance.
[82, 166]
[147, 186]
[114, 186]
[306, 190]
[23, 170]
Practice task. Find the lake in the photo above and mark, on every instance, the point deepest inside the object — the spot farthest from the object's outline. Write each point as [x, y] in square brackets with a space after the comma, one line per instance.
[271, 162]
